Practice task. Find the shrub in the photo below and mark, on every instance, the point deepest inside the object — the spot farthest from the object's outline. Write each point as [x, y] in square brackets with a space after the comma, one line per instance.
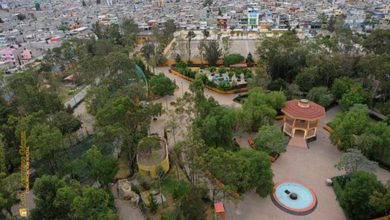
[181, 65]
[224, 86]
[222, 70]
[233, 59]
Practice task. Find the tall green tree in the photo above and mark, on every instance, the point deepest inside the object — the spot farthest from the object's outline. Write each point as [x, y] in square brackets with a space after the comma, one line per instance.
[284, 56]
[190, 35]
[47, 148]
[45, 191]
[93, 204]
[217, 127]
[212, 52]
[348, 124]
[101, 168]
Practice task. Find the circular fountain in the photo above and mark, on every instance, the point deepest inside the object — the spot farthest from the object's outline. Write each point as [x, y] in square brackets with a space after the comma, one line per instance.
[294, 198]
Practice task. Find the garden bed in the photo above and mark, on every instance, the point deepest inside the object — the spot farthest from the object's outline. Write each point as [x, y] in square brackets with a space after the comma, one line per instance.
[221, 80]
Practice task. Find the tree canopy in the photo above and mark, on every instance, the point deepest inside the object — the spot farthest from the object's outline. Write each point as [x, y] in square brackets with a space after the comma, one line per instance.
[260, 108]
[242, 170]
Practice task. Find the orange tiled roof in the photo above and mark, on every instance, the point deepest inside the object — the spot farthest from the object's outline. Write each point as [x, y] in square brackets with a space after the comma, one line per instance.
[312, 112]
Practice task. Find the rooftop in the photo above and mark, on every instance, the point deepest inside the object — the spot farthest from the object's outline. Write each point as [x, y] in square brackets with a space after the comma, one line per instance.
[303, 109]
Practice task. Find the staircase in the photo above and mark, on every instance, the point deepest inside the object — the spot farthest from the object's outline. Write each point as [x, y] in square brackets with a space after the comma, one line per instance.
[298, 141]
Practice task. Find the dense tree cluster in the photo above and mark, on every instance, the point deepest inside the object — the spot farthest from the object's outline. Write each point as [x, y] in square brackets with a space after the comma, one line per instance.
[353, 129]
[241, 170]
[350, 75]
[59, 199]
[30, 102]
[363, 196]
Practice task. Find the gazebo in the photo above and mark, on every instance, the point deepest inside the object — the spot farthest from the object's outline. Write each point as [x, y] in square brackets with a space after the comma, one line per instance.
[302, 118]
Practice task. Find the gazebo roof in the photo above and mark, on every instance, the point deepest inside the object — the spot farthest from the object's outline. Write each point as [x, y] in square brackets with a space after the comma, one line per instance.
[303, 109]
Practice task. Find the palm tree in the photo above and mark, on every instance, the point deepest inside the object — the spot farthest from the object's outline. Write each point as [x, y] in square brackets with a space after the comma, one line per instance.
[191, 34]
[206, 34]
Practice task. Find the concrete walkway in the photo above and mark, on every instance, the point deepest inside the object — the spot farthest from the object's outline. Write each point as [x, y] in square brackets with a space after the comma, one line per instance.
[311, 166]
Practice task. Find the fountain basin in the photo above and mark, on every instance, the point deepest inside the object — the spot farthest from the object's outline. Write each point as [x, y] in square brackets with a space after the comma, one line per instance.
[294, 197]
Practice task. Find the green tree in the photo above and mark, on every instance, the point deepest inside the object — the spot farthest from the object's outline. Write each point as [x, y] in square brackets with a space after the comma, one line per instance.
[45, 191]
[352, 98]
[217, 127]
[348, 124]
[380, 133]
[161, 85]
[271, 139]
[124, 122]
[321, 95]
[283, 56]
[247, 169]
[260, 167]
[343, 85]
[378, 41]
[356, 195]
[305, 79]
[148, 50]
[191, 207]
[92, 204]
[381, 200]
[260, 78]
[129, 31]
[260, 108]
[100, 168]
[10, 187]
[249, 59]
[29, 96]
[47, 148]
[66, 122]
[190, 35]
[3, 168]
[212, 52]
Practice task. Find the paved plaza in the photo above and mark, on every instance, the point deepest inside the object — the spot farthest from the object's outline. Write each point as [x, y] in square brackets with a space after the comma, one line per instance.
[240, 46]
[310, 166]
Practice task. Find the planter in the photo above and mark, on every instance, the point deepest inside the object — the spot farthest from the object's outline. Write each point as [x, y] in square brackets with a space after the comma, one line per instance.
[274, 157]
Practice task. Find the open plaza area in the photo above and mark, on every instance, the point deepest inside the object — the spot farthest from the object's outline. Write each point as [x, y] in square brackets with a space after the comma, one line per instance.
[311, 166]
